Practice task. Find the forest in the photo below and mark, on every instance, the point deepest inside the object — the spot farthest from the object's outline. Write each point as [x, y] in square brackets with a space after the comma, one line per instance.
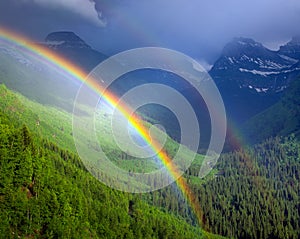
[46, 192]
[255, 193]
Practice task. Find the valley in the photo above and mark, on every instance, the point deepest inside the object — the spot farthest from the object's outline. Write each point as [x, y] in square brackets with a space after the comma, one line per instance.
[48, 191]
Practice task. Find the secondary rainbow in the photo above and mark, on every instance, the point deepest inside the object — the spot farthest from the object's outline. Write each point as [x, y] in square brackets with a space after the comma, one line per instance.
[58, 61]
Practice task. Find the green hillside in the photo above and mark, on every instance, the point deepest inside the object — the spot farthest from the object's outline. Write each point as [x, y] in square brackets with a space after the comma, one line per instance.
[281, 119]
[45, 191]
[254, 194]
[55, 125]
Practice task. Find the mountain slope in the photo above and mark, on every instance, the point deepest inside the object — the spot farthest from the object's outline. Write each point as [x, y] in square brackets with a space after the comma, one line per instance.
[291, 49]
[55, 125]
[250, 65]
[254, 194]
[281, 119]
[251, 77]
[72, 47]
[44, 194]
[35, 78]
[45, 191]
[49, 186]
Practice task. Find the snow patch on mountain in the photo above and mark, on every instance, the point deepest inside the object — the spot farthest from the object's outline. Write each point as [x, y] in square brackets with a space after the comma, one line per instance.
[293, 60]
[256, 72]
[55, 43]
[231, 60]
[261, 90]
[266, 73]
[247, 64]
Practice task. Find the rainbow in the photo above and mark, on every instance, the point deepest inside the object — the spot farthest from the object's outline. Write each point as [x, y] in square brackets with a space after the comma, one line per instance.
[74, 71]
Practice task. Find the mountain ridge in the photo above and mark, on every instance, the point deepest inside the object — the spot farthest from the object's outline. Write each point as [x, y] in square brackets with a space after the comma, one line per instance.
[263, 68]
[281, 119]
[47, 193]
[292, 48]
[71, 46]
[252, 77]
[65, 39]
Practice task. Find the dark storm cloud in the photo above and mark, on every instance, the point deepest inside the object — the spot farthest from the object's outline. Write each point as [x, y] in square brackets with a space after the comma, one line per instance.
[36, 18]
[199, 28]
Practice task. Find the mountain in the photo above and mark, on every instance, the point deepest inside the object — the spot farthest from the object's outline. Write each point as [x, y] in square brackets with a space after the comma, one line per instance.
[157, 114]
[46, 192]
[281, 119]
[75, 49]
[252, 77]
[36, 79]
[253, 192]
[291, 49]
[248, 64]
[56, 40]
[40, 81]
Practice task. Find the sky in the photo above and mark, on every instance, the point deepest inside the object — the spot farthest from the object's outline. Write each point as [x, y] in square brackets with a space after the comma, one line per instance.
[198, 28]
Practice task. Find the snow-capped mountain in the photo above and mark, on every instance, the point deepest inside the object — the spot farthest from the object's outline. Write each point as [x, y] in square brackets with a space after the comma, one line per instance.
[245, 63]
[251, 77]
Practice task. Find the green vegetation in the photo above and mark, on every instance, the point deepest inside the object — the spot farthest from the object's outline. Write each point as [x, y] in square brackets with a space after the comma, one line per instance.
[45, 121]
[26, 73]
[45, 192]
[255, 193]
[55, 125]
[282, 119]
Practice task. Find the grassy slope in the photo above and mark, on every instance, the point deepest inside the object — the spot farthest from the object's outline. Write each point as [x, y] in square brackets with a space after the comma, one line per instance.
[55, 125]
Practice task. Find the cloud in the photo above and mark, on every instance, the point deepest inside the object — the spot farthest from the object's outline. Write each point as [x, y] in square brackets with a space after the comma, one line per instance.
[204, 64]
[199, 28]
[84, 8]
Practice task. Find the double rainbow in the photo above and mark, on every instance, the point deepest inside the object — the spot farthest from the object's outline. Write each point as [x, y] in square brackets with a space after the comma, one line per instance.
[75, 72]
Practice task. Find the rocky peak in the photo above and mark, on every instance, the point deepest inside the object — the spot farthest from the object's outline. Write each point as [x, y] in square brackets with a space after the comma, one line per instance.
[65, 39]
[241, 45]
[247, 64]
[249, 55]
